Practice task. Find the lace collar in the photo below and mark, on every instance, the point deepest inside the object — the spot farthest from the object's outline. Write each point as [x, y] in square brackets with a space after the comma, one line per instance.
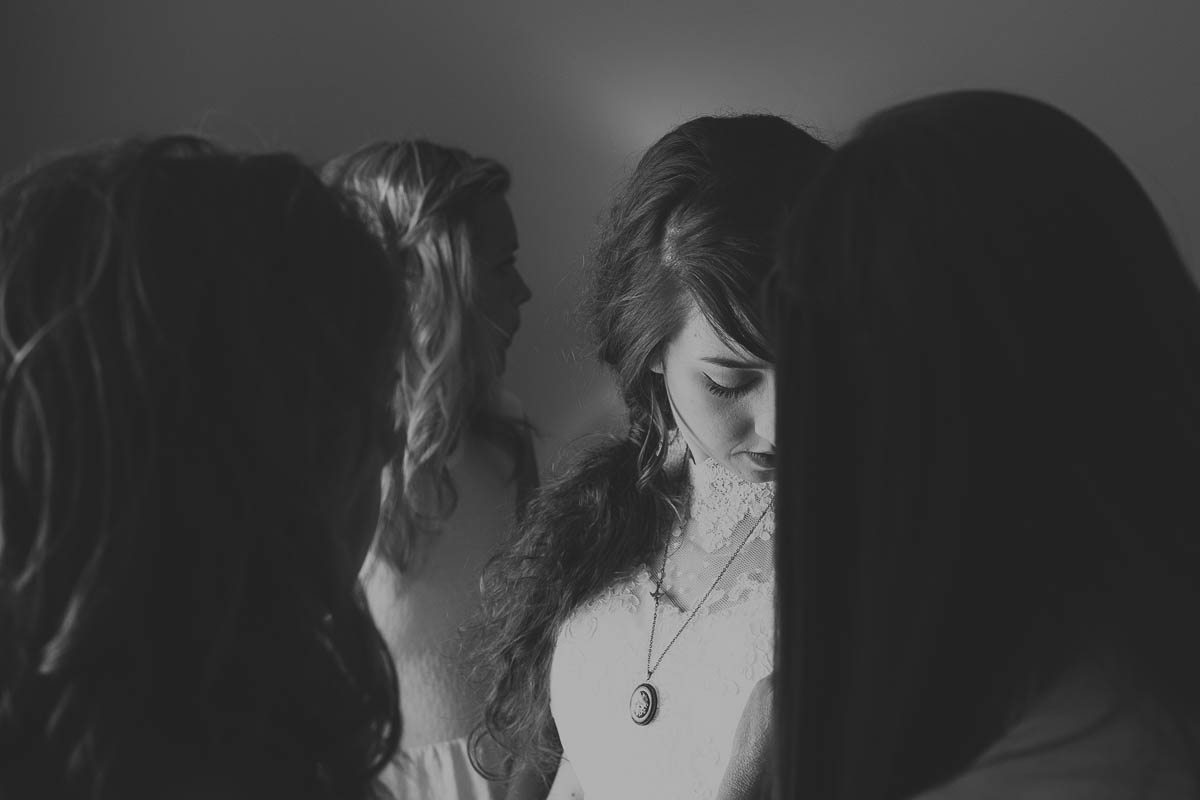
[720, 500]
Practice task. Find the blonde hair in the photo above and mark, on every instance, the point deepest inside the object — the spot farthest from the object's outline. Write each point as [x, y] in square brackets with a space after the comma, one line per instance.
[417, 197]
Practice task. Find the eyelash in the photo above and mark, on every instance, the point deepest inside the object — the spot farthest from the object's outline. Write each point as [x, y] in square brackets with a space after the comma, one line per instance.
[727, 392]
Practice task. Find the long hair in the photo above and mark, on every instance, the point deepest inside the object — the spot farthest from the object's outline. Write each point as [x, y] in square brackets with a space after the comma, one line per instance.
[418, 198]
[195, 363]
[990, 440]
[696, 223]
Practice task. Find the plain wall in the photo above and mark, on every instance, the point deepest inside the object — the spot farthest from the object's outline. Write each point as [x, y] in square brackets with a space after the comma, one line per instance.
[569, 93]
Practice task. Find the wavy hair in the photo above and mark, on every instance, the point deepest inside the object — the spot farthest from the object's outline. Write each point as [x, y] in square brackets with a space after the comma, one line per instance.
[418, 198]
[991, 365]
[195, 360]
[696, 223]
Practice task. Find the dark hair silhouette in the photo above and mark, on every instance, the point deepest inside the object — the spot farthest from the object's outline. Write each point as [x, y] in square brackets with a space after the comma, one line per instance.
[195, 362]
[695, 223]
[989, 422]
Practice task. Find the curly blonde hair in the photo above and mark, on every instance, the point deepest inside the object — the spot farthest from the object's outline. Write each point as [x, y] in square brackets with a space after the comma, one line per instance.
[418, 198]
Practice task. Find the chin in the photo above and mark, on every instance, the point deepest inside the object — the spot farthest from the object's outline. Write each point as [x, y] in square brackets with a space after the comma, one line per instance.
[752, 472]
[747, 472]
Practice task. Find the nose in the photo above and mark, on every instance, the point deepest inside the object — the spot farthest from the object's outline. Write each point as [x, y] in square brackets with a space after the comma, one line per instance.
[764, 412]
[522, 294]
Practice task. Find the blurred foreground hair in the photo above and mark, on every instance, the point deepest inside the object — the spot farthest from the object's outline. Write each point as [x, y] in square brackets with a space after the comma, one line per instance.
[195, 360]
[989, 421]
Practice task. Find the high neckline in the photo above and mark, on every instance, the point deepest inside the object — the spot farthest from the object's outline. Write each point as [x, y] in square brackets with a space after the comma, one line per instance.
[721, 500]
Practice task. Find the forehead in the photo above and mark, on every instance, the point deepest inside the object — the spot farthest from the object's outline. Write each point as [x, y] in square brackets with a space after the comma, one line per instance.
[493, 224]
[698, 338]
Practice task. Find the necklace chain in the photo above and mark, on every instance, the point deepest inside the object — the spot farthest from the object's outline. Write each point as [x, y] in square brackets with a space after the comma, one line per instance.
[658, 593]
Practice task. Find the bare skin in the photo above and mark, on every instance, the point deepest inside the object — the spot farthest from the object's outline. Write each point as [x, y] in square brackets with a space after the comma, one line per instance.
[566, 784]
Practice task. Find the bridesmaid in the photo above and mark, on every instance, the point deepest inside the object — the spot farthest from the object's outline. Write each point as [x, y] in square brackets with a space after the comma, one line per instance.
[467, 461]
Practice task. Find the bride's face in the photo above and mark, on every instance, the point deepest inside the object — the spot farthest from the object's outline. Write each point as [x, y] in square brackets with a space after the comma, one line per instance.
[723, 399]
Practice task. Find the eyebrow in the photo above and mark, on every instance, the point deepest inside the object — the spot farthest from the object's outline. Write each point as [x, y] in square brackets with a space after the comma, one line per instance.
[736, 363]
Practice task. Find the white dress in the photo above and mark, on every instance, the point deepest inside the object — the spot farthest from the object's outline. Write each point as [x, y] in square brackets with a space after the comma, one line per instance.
[420, 614]
[705, 676]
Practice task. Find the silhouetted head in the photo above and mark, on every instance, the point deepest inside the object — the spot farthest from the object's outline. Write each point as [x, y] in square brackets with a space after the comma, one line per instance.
[196, 359]
[990, 373]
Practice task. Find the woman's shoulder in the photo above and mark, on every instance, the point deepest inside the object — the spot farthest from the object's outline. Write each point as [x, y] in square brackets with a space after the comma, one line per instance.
[1080, 744]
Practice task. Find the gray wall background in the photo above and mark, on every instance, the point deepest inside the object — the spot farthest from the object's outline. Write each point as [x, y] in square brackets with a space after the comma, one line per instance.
[568, 94]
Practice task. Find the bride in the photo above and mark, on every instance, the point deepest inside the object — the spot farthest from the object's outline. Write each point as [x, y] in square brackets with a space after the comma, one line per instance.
[632, 616]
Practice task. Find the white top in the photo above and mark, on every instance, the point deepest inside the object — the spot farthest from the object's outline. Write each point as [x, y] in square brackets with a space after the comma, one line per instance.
[704, 678]
[420, 614]
[440, 771]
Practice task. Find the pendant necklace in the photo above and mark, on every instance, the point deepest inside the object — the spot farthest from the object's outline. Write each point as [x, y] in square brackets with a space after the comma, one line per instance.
[643, 703]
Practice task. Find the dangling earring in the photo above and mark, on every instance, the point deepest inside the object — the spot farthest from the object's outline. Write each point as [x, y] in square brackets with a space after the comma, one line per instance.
[653, 449]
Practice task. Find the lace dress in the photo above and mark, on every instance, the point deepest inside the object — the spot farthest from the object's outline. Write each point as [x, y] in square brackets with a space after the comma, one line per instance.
[706, 674]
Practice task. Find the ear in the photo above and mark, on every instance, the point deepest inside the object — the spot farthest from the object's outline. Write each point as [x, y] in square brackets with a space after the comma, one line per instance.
[657, 367]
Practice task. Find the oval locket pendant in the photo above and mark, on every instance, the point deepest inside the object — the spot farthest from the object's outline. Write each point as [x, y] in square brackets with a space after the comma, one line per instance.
[643, 704]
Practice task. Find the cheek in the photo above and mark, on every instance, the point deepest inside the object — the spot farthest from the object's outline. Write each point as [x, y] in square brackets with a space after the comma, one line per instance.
[715, 420]
[492, 304]
[729, 420]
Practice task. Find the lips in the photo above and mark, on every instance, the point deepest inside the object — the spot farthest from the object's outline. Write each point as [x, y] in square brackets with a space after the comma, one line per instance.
[763, 460]
[510, 333]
